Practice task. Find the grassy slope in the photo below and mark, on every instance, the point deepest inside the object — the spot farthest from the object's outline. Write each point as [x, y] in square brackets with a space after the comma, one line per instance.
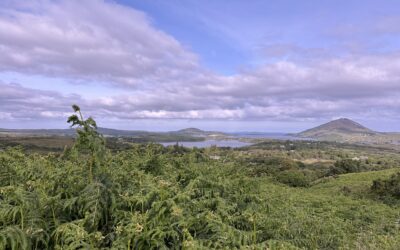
[323, 214]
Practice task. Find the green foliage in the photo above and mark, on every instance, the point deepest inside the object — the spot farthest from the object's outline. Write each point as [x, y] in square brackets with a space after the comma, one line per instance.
[13, 238]
[272, 165]
[346, 166]
[296, 178]
[89, 141]
[387, 189]
[155, 197]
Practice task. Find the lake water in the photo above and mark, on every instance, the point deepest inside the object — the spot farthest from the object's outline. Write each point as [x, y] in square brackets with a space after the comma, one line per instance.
[235, 143]
[209, 143]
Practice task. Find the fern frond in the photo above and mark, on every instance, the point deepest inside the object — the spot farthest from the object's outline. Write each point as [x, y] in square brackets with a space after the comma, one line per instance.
[12, 237]
[95, 203]
[71, 236]
[76, 108]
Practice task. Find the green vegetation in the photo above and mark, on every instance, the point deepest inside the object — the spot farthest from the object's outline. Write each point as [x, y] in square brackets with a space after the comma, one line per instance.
[275, 195]
[346, 166]
[388, 189]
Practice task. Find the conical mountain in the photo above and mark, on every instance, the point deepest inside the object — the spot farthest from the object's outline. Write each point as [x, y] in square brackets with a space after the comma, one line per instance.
[337, 129]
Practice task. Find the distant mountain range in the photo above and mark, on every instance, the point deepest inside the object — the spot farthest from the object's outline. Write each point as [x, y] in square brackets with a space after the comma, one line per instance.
[340, 130]
[188, 133]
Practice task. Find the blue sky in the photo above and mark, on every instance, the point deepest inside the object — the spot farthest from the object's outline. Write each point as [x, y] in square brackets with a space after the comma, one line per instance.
[231, 36]
[217, 65]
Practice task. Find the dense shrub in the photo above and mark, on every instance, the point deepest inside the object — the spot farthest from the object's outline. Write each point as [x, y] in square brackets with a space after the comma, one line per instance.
[389, 188]
[296, 178]
[345, 166]
[272, 165]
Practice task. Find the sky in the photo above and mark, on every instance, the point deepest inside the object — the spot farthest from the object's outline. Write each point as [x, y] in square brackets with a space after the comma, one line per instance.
[270, 66]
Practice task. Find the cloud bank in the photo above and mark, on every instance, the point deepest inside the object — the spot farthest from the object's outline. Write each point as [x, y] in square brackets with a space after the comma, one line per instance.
[102, 41]
[89, 40]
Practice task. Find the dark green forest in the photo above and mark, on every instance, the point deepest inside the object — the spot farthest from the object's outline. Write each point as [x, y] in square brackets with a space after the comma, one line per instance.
[273, 195]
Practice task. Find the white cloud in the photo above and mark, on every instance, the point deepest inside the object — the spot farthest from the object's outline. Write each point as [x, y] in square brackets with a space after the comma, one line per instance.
[92, 40]
[96, 40]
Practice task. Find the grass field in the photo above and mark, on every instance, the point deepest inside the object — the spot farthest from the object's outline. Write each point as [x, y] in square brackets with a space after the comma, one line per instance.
[326, 217]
